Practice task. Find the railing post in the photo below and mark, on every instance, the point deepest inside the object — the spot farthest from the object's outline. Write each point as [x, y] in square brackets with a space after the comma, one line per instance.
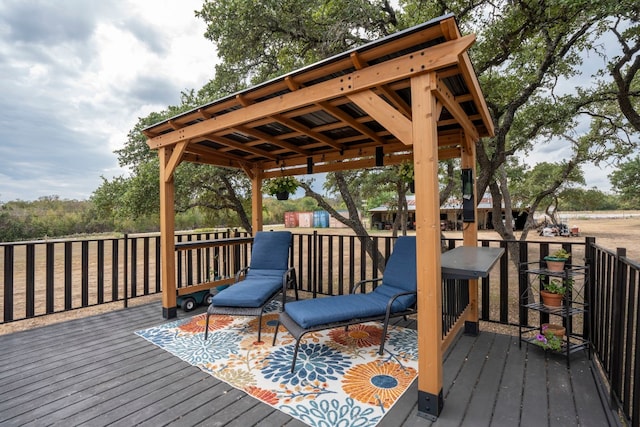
[31, 280]
[589, 261]
[523, 284]
[8, 282]
[84, 256]
[68, 269]
[100, 272]
[312, 256]
[126, 270]
[618, 299]
[49, 287]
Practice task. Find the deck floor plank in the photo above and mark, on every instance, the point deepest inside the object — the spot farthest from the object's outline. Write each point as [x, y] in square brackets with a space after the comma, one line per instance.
[96, 371]
[483, 396]
[458, 397]
[534, 393]
[507, 406]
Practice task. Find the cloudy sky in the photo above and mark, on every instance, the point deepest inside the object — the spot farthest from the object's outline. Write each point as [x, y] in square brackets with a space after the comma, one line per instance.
[75, 75]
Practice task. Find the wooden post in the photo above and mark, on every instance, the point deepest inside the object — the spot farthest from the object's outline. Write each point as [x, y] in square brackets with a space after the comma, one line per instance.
[425, 158]
[470, 236]
[256, 200]
[167, 234]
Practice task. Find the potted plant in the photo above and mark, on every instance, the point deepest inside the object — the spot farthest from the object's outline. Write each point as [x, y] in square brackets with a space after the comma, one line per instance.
[406, 174]
[550, 337]
[556, 261]
[553, 292]
[281, 187]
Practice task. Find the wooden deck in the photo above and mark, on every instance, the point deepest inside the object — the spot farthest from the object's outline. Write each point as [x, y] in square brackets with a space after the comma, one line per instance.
[96, 371]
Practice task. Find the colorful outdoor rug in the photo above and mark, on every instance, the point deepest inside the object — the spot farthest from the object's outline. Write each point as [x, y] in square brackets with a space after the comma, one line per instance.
[339, 377]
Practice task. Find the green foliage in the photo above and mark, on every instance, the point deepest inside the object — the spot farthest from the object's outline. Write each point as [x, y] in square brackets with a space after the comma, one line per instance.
[560, 254]
[47, 217]
[284, 184]
[579, 199]
[555, 286]
[405, 171]
[548, 340]
[626, 182]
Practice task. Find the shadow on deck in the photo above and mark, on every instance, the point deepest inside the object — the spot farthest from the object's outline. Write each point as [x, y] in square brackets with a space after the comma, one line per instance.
[96, 371]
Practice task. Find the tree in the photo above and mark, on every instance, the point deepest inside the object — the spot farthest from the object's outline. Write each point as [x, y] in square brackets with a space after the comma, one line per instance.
[626, 182]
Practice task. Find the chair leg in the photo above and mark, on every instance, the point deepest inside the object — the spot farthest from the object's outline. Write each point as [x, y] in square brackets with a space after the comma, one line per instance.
[294, 282]
[206, 327]
[275, 334]
[295, 355]
[259, 326]
[384, 336]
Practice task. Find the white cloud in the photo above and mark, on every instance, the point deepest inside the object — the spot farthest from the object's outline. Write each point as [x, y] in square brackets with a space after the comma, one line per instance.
[75, 76]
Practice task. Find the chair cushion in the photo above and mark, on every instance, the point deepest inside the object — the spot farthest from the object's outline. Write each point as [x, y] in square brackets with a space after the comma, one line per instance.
[400, 270]
[270, 250]
[250, 292]
[401, 303]
[319, 311]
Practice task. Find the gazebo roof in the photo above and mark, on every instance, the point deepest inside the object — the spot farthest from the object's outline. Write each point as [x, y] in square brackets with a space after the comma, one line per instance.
[352, 110]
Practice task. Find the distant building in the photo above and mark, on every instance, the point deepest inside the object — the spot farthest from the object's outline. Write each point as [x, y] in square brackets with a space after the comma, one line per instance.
[382, 217]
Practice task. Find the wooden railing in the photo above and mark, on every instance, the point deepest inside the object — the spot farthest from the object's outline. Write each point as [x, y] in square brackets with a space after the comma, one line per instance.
[615, 326]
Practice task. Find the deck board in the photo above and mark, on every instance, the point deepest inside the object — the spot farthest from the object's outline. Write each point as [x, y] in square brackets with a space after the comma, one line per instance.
[96, 371]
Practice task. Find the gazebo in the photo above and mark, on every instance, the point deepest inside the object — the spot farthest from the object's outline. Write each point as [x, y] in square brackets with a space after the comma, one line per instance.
[413, 96]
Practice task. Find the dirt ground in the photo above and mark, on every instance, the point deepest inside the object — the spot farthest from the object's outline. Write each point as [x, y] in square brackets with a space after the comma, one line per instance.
[610, 233]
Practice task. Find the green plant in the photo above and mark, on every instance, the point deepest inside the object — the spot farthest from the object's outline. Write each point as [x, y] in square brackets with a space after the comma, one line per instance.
[548, 340]
[284, 184]
[405, 171]
[557, 286]
[560, 254]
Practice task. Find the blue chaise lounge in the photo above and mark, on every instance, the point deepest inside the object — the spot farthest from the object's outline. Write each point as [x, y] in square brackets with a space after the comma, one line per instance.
[395, 295]
[268, 274]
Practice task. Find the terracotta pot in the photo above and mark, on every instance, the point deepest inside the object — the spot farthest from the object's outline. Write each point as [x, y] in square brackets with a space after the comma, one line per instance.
[551, 300]
[557, 330]
[553, 265]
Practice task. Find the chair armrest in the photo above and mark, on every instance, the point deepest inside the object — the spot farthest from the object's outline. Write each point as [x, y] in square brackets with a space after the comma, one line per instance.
[288, 277]
[239, 272]
[396, 296]
[361, 284]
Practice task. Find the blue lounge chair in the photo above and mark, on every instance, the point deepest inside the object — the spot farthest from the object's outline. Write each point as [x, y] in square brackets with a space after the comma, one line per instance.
[267, 275]
[396, 295]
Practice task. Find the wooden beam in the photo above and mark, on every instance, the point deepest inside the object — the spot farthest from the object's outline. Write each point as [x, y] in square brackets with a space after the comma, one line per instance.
[167, 236]
[390, 94]
[174, 159]
[450, 31]
[350, 121]
[432, 58]
[474, 87]
[256, 200]
[241, 146]
[290, 123]
[271, 140]
[390, 118]
[448, 100]
[425, 159]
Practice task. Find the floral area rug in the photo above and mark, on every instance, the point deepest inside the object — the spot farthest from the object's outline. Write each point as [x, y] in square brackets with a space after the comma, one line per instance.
[339, 378]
